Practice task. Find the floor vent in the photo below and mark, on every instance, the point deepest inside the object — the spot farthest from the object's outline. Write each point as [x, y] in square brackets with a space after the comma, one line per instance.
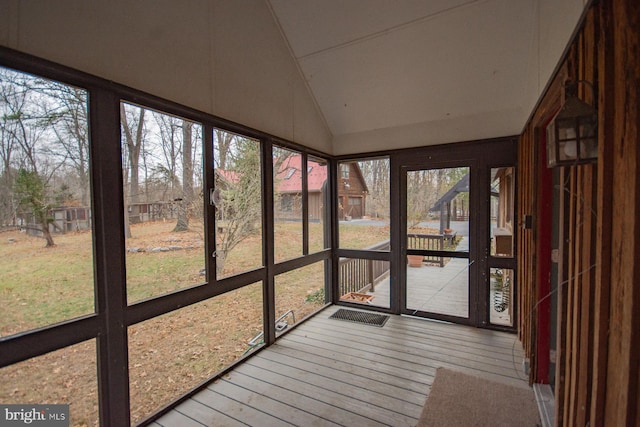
[360, 317]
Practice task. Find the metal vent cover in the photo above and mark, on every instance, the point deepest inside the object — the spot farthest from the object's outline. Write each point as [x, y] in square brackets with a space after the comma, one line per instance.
[360, 317]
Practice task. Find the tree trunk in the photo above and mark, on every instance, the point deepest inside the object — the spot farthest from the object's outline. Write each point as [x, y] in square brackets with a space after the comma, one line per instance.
[127, 224]
[47, 235]
[187, 178]
[223, 142]
[220, 261]
[134, 144]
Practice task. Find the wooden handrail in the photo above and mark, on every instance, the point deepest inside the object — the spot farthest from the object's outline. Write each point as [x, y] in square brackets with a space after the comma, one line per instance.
[361, 275]
[433, 242]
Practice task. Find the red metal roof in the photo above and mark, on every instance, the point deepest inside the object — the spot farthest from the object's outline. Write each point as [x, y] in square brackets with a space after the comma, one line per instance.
[289, 177]
[228, 175]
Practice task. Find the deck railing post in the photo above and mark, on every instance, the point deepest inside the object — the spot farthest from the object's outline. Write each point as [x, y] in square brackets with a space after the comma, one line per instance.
[356, 273]
[370, 277]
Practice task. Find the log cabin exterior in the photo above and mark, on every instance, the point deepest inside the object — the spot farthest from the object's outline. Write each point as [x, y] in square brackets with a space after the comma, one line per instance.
[578, 292]
[288, 180]
[289, 189]
[352, 192]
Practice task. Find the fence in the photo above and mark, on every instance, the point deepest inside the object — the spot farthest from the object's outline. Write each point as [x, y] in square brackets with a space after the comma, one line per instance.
[361, 275]
[433, 242]
[64, 219]
[154, 211]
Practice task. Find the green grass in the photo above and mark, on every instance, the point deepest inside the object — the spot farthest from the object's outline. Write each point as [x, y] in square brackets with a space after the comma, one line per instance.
[153, 274]
[354, 236]
[42, 286]
[169, 354]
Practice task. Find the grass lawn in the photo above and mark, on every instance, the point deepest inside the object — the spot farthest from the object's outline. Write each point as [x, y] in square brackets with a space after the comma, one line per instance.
[168, 355]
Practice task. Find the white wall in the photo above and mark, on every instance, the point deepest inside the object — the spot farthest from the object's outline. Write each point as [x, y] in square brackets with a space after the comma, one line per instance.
[228, 58]
[549, 29]
[224, 57]
[555, 23]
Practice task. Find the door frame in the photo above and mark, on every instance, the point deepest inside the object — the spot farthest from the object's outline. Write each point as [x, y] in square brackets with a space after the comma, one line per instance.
[544, 236]
[471, 255]
[480, 157]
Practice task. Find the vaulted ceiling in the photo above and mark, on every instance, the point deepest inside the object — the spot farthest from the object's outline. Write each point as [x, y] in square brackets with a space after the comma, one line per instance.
[433, 71]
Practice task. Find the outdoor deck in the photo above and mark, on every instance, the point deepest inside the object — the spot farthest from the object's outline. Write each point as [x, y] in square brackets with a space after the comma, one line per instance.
[431, 288]
[435, 289]
[333, 372]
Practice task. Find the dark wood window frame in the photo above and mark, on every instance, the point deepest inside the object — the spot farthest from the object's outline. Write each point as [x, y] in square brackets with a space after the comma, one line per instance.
[113, 315]
[484, 154]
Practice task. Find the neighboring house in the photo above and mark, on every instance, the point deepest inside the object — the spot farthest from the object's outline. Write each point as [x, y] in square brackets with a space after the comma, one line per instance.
[444, 203]
[70, 218]
[223, 178]
[288, 181]
[352, 189]
[63, 219]
[503, 232]
[223, 175]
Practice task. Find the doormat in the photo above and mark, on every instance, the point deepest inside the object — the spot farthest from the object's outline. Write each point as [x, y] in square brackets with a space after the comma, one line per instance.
[459, 399]
[360, 317]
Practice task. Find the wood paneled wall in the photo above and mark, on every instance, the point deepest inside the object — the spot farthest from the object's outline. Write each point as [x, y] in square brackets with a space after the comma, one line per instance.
[528, 183]
[598, 336]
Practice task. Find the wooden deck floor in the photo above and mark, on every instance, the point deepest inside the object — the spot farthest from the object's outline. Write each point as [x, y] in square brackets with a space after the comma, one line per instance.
[434, 289]
[333, 372]
[442, 290]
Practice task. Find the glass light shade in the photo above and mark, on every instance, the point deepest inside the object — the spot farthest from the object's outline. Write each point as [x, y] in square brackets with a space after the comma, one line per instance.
[572, 135]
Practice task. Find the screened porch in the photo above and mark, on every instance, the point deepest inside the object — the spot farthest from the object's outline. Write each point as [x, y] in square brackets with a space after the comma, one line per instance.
[335, 372]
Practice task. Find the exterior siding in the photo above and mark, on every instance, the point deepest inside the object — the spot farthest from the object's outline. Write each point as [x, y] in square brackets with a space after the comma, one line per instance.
[598, 359]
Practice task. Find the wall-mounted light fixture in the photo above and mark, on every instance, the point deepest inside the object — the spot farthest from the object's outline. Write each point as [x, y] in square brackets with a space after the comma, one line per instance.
[572, 135]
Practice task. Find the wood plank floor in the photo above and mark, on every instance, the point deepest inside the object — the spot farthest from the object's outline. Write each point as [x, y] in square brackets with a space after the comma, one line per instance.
[332, 372]
[435, 289]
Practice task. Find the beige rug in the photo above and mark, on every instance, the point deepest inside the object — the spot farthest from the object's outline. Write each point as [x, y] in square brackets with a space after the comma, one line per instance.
[458, 399]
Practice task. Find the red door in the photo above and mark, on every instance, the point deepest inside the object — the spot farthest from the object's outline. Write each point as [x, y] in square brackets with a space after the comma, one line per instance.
[544, 220]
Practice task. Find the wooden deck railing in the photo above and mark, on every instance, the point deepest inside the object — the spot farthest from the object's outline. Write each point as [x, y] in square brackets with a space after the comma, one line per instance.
[433, 242]
[361, 275]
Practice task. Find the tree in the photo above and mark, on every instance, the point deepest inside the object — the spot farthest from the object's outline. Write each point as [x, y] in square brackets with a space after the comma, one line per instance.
[376, 175]
[31, 192]
[132, 121]
[176, 136]
[44, 144]
[239, 208]
[68, 116]
[26, 131]
[425, 187]
[223, 141]
[187, 178]
[22, 126]
[7, 148]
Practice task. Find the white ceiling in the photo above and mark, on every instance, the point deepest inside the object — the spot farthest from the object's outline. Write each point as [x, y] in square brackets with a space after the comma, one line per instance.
[381, 64]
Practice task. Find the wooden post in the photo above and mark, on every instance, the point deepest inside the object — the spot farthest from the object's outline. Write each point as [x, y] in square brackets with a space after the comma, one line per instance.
[604, 219]
[623, 364]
